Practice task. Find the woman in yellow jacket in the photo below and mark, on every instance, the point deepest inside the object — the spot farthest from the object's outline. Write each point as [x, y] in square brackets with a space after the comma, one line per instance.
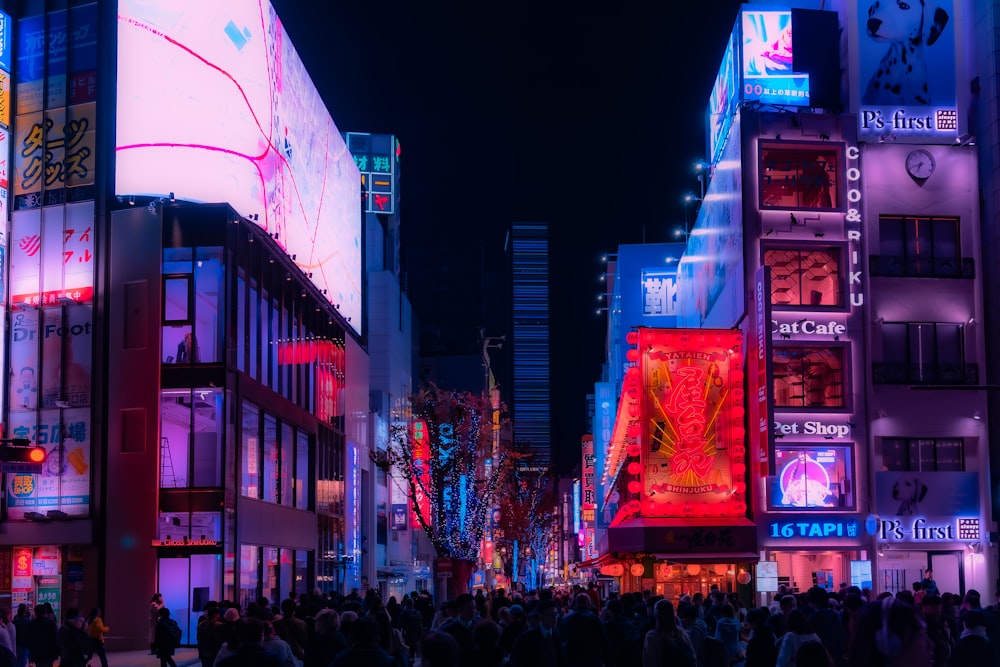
[96, 630]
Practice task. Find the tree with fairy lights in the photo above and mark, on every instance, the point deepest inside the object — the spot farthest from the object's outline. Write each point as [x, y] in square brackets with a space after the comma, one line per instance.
[526, 519]
[443, 459]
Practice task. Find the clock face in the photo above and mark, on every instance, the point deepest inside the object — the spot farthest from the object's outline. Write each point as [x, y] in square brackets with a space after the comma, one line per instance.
[920, 164]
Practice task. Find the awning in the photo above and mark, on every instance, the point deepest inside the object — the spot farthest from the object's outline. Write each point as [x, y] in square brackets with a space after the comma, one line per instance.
[599, 561]
[687, 540]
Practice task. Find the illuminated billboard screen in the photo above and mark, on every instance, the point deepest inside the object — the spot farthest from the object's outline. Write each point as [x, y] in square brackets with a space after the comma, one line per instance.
[215, 105]
[907, 64]
[812, 477]
[768, 60]
[722, 101]
[693, 453]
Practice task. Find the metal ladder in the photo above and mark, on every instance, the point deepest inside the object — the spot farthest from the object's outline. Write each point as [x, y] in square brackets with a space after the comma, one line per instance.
[166, 465]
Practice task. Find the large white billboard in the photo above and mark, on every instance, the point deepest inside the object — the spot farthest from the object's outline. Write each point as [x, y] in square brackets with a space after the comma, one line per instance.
[215, 105]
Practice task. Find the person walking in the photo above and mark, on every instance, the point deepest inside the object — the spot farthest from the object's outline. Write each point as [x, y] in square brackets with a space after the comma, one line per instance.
[667, 644]
[95, 632]
[72, 638]
[22, 625]
[155, 605]
[43, 639]
[166, 639]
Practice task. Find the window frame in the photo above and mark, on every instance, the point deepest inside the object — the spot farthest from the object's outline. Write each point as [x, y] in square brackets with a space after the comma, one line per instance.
[843, 353]
[916, 442]
[837, 189]
[840, 249]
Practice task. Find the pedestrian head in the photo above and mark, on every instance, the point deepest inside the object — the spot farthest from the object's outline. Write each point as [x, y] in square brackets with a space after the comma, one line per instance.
[889, 633]
[164, 612]
[466, 605]
[547, 612]
[581, 602]
[439, 649]
[666, 620]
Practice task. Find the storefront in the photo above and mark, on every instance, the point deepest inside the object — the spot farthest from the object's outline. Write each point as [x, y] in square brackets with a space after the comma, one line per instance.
[803, 550]
[686, 556]
[931, 521]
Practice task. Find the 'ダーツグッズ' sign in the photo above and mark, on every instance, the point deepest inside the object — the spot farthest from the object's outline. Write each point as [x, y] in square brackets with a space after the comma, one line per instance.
[693, 453]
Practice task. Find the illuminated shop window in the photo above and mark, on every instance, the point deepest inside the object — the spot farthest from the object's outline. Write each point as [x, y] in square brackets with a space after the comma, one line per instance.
[923, 353]
[800, 175]
[192, 301]
[808, 377]
[805, 276]
[914, 246]
[191, 438]
[812, 477]
[923, 454]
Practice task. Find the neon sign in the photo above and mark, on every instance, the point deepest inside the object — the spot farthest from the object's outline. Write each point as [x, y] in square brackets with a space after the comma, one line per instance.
[421, 471]
[812, 529]
[922, 529]
[693, 454]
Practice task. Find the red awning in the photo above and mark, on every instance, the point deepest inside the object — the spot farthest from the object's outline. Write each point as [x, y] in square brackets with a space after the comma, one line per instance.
[599, 561]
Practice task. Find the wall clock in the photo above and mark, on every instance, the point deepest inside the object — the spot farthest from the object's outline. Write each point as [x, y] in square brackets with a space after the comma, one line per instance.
[920, 164]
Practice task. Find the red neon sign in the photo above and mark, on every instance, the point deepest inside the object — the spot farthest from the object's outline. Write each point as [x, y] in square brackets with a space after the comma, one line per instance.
[693, 451]
[421, 501]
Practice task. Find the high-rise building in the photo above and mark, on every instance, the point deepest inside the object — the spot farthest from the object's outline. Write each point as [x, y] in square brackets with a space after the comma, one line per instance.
[528, 247]
[186, 304]
[818, 416]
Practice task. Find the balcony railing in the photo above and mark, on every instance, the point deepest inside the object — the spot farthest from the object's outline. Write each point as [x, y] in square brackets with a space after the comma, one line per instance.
[921, 267]
[960, 374]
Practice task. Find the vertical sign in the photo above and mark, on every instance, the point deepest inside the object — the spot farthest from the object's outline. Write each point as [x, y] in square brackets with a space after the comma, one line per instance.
[421, 471]
[589, 475]
[759, 364]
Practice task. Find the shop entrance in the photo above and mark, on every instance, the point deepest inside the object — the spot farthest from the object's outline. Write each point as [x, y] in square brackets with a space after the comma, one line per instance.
[187, 583]
[676, 579]
[898, 570]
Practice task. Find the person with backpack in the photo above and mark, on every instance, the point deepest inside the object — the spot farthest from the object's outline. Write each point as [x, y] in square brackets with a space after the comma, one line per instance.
[667, 645]
[72, 638]
[167, 638]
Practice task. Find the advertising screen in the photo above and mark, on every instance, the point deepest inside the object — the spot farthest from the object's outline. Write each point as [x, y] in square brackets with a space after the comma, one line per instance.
[768, 72]
[710, 275]
[693, 454]
[722, 101]
[812, 477]
[906, 79]
[233, 116]
[64, 483]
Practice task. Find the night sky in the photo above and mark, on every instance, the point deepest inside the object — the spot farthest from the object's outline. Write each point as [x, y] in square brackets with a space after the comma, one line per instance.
[587, 119]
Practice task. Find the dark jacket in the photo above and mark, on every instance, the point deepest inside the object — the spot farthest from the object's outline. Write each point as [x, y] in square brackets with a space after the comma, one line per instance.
[43, 640]
[584, 643]
[972, 650]
[532, 649]
[73, 644]
[251, 656]
[165, 640]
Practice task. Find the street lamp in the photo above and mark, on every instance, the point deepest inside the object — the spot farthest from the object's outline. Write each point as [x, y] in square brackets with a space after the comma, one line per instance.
[688, 200]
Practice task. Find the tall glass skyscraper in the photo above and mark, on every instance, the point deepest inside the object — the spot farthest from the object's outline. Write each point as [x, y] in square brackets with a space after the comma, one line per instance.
[529, 251]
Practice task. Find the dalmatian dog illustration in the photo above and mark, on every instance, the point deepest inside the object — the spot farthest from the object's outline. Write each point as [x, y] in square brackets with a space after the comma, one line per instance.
[909, 493]
[909, 27]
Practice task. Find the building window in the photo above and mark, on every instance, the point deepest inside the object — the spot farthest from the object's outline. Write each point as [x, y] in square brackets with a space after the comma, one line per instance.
[923, 454]
[800, 175]
[912, 246]
[303, 499]
[250, 486]
[805, 276]
[923, 353]
[808, 377]
[192, 303]
[812, 477]
[191, 438]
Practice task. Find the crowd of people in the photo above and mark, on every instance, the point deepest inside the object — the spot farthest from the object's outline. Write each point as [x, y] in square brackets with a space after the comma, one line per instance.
[579, 628]
[546, 628]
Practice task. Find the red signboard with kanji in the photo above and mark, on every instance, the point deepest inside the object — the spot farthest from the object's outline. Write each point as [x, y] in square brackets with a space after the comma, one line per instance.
[693, 439]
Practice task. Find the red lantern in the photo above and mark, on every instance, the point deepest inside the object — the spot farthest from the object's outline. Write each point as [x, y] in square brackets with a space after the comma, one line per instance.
[634, 468]
[634, 487]
[633, 450]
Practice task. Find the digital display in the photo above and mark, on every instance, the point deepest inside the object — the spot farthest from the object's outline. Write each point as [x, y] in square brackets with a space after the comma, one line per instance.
[722, 102]
[812, 477]
[768, 73]
[233, 116]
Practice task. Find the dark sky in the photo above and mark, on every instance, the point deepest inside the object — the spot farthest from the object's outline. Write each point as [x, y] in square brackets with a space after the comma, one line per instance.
[589, 119]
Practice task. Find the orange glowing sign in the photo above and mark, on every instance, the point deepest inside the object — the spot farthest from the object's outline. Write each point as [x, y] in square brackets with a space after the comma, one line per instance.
[694, 449]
